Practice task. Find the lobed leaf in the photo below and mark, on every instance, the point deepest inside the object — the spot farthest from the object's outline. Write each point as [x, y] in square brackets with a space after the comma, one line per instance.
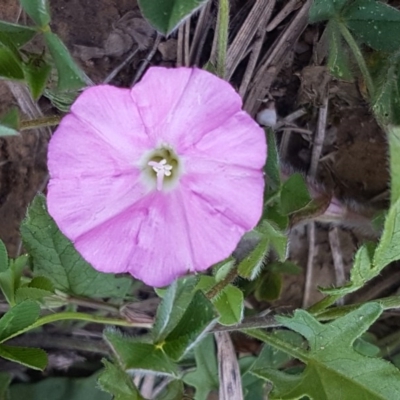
[333, 368]
[118, 383]
[55, 258]
[139, 356]
[205, 378]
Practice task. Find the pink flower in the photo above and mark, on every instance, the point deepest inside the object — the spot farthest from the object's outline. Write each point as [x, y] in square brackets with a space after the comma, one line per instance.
[159, 180]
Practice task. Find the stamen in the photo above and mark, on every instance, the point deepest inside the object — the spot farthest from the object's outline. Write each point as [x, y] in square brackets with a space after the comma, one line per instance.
[162, 169]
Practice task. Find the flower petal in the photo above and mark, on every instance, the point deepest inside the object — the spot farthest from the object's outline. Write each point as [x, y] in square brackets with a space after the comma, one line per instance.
[111, 112]
[80, 205]
[181, 105]
[77, 151]
[232, 190]
[238, 141]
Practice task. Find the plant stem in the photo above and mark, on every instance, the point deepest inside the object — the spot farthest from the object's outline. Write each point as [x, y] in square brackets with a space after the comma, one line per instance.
[39, 122]
[217, 288]
[359, 57]
[222, 32]
[48, 319]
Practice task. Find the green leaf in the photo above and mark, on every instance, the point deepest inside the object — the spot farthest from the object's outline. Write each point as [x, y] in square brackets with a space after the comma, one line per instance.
[10, 279]
[28, 293]
[375, 23]
[10, 65]
[138, 356]
[9, 123]
[338, 56]
[388, 249]
[166, 15]
[394, 149]
[32, 358]
[18, 318]
[228, 302]
[59, 389]
[70, 76]
[333, 367]
[386, 99]
[18, 34]
[118, 383]
[197, 319]
[36, 72]
[41, 282]
[294, 194]
[278, 240]
[268, 287]
[38, 10]
[251, 265]
[5, 380]
[205, 378]
[273, 358]
[55, 258]
[172, 307]
[173, 391]
[271, 168]
[361, 272]
[3, 257]
[322, 10]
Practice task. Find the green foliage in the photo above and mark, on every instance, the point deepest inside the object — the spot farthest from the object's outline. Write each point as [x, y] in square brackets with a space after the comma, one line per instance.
[18, 34]
[10, 278]
[118, 383]
[250, 266]
[70, 76]
[38, 10]
[321, 10]
[31, 358]
[205, 378]
[36, 72]
[272, 169]
[12, 323]
[9, 123]
[228, 302]
[294, 194]
[172, 307]
[338, 54]
[138, 356]
[333, 367]
[59, 389]
[55, 258]
[197, 319]
[375, 23]
[166, 15]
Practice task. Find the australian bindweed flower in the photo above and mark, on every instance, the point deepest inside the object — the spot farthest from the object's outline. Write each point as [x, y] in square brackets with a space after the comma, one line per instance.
[159, 180]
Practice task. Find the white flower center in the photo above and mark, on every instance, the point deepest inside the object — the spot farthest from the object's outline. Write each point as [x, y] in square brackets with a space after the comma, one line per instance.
[161, 168]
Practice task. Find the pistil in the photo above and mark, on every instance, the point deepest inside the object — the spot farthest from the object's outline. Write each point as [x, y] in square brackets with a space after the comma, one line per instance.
[161, 168]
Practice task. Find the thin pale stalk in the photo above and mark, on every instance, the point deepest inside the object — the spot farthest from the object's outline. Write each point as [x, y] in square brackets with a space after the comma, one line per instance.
[39, 122]
[222, 32]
